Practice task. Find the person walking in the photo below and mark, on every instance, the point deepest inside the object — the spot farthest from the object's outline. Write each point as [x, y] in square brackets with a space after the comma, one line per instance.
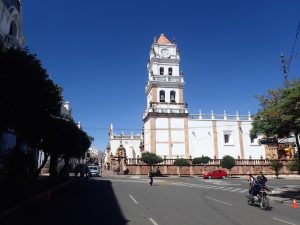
[86, 171]
[150, 174]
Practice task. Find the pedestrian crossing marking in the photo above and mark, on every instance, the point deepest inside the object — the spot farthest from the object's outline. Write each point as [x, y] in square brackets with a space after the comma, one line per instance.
[227, 189]
[234, 190]
[182, 184]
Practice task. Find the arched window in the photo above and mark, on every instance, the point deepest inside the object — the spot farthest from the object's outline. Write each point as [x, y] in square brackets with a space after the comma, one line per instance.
[161, 71]
[13, 29]
[170, 70]
[162, 96]
[172, 96]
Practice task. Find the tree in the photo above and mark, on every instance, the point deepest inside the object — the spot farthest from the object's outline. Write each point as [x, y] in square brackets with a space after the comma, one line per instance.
[151, 158]
[180, 163]
[203, 160]
[276, 165]
[279, 115]
[64, 139]
[228, 162]
[28, 97]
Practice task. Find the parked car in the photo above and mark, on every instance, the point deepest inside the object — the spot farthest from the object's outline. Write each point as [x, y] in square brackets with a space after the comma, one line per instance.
[94, 171]
[215, 174]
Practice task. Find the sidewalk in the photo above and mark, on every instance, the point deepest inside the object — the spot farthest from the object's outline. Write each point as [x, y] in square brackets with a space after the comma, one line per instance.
[12, 200]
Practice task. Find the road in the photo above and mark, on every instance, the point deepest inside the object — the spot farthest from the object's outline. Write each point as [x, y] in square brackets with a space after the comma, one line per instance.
[131, 200]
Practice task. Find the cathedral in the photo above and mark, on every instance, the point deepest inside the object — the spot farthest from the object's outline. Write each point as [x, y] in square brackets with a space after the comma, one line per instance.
[170, 130]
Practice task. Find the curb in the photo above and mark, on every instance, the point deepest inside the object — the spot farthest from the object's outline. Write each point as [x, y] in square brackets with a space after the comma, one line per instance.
[31, 200]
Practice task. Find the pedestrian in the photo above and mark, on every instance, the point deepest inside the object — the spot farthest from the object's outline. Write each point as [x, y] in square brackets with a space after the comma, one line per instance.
[126, 170]
[150, 174]
[76, 170]
[86, 171]
[158, 173]
[81, 171]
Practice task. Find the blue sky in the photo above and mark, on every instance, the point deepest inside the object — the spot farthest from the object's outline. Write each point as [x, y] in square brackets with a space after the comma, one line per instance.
[98, 50]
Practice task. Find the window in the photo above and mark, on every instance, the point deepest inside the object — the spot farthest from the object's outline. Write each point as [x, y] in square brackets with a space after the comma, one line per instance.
[13, 29]
[253, 141]
[228, 137]
[172, 96]
[161, 71]
[162, 96]
[170, 70]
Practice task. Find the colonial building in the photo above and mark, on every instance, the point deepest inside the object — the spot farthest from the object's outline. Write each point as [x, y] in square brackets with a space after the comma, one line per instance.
[11, 23]
[170, 131]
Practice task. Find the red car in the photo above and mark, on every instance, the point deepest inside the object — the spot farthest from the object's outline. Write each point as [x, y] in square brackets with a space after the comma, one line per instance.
[215, 174]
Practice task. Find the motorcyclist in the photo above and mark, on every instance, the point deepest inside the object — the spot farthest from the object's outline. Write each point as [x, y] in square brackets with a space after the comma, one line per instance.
[262, 179]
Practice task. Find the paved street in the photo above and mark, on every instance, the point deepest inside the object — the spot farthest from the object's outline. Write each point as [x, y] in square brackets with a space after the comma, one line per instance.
[131, 200]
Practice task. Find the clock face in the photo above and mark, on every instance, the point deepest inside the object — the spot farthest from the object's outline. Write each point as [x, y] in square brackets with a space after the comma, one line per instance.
[165, 52]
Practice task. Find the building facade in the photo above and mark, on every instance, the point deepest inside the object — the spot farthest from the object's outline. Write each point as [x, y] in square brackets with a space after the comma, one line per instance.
[11, 23]
[170, 131]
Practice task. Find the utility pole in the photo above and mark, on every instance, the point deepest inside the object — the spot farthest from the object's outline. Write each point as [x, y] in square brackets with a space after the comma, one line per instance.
[284, 65]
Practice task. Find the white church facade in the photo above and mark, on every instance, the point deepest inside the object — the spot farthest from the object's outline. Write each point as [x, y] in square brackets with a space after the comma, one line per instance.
[170, 131]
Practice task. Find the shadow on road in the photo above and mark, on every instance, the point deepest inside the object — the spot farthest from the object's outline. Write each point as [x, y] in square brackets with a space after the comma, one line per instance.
[86, 202]
[288, 194]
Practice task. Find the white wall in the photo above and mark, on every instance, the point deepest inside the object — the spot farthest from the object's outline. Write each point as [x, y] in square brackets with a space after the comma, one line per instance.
[162, 149]
[201, 141]
[201, 138]
[177, 123]
[131, 146]
[162, 136]
[161, 123]
[251, 149]
[233, 148]
[147, 132]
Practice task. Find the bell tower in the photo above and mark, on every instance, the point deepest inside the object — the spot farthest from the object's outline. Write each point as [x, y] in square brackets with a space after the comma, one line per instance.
[166, 115]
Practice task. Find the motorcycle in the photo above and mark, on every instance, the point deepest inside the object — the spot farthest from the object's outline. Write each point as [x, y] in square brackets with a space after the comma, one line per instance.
[259, 196]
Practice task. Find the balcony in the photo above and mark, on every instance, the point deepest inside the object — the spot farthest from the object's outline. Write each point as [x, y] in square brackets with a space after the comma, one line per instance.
[213, 116]
[165, 111]
[166, 78]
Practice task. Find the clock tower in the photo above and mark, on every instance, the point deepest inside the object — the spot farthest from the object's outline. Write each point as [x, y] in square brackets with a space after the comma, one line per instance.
[166, 115]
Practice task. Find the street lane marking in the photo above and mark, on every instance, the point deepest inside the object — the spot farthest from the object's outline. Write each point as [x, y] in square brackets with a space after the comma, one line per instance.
[219, 188]
[153, 221]
[132, 198]
[226, 189]
[237, 189]
[243, 191]
[217, 200]
[284, 221]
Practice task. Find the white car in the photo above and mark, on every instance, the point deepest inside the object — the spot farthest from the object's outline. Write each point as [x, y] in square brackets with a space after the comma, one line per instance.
[94, 171]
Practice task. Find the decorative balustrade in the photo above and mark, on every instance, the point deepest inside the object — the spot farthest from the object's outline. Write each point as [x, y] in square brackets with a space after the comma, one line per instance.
[165, 78]
[164, 110]
[220, 117]
[239, 162]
